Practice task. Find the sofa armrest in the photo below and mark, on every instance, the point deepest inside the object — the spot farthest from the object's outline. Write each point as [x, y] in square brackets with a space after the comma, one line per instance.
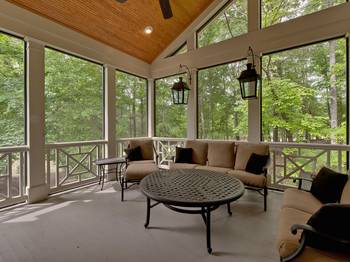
[307, 230]
[266, 167]
[300, 181]
[303, 179]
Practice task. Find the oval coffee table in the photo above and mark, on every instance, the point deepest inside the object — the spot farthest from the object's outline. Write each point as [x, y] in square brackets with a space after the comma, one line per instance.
[191, 191]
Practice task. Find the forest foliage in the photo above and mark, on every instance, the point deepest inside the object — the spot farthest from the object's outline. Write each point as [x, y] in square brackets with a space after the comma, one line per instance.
[303, 89]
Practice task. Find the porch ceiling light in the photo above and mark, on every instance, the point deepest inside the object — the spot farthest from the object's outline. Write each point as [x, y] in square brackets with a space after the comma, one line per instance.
[180, 90]
[249, 80]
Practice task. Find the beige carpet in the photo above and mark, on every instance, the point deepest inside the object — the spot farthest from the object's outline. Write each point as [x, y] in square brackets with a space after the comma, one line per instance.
[90, 225]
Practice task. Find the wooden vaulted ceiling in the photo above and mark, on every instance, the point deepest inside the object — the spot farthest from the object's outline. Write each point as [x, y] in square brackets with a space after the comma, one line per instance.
[121, 25]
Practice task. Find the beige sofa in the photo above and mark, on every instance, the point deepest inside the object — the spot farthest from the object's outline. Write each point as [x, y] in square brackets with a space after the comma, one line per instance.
[229, 158]
[297, 207]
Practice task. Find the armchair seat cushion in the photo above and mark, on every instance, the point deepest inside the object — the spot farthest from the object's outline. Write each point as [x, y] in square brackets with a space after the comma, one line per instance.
[214, 168]
[301, 200]
[249, 179]
[287, 243]
[182, 165]
[139, 171]
[141, 162]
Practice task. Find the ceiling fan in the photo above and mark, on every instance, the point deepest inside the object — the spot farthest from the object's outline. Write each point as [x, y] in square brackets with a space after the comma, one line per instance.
[164, 5]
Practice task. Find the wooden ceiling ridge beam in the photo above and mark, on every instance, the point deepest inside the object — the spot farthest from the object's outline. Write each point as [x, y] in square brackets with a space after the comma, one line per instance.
[121, 25]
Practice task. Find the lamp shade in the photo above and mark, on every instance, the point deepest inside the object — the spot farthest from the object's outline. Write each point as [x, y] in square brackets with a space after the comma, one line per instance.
[249, 81]
[180, 92]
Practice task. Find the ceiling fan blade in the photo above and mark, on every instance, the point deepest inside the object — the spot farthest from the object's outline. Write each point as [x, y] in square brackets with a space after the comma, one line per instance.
[166, 9]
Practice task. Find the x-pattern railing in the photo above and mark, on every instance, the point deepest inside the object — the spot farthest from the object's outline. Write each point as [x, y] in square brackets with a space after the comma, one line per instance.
[72, 164]
[290, 160]
[12, 175]
[167, 149]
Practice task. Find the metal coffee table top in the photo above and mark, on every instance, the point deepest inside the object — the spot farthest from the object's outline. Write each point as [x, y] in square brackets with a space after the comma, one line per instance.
[191, 187]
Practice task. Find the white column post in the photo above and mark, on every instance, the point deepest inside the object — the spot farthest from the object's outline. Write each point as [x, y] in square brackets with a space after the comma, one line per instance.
[110, 114]
[151, 108]
[254, 129]
[37, 188]
[192, 107]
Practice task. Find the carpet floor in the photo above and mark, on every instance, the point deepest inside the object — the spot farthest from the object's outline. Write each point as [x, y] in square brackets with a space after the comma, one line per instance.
[92, 225]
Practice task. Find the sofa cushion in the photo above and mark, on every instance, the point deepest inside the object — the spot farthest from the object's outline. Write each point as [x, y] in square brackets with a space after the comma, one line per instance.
[139, 171]
[328, 185]
[199, 151]
[183, 155]
[256, 163]
[287, 243]
[301, 200]
[182, 165]
[248, 179]
[133, 154]
[345, 197]
[245, 150]
[146, 147]
[223, 170]
[221, 154]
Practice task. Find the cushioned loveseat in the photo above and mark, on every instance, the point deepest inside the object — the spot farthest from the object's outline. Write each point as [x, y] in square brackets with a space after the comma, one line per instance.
[227, 157]
[298, 207]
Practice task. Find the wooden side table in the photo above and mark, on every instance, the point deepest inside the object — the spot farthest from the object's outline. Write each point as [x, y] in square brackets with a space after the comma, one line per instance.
[102, 163]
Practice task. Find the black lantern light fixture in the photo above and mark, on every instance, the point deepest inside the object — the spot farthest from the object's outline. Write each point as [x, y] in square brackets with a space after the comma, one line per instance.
[180, 90]
[249, 80]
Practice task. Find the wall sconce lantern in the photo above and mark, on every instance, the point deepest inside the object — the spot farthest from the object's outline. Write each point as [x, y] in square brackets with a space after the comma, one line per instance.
[249, 80]
[180, 90]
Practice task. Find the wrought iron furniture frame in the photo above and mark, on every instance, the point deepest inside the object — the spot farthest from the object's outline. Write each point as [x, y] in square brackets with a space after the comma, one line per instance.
[204, 208]
[124, 180]
[102, 163]
[308, 230]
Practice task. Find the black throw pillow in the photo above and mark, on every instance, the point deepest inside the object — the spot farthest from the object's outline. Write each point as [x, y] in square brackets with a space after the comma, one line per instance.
[331, 220]
[133, 154]
[183, 155]
[256, 163]
[328, 185]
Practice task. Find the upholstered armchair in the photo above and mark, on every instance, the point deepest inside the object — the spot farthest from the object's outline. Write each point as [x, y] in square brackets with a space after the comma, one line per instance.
[146, 162]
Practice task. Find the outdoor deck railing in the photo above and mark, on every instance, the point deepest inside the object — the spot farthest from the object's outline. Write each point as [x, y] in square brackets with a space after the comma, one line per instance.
[288, 160]
[71, 164]
[12, 175]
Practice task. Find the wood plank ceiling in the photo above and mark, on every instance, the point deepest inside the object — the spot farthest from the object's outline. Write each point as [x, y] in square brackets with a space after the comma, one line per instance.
[121, 25]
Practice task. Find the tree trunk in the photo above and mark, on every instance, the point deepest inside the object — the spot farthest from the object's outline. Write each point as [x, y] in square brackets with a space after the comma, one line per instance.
[133, 113]
[235, 124]
[143, 131]
[275, 134]
[333, 88]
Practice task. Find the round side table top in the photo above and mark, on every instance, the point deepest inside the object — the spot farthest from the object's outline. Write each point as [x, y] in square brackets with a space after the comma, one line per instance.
[191, 187]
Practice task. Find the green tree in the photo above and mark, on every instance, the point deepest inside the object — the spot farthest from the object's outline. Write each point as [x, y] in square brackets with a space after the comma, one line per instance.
[73, 98]
[170, 119]
[12, 91]
[131, 105]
